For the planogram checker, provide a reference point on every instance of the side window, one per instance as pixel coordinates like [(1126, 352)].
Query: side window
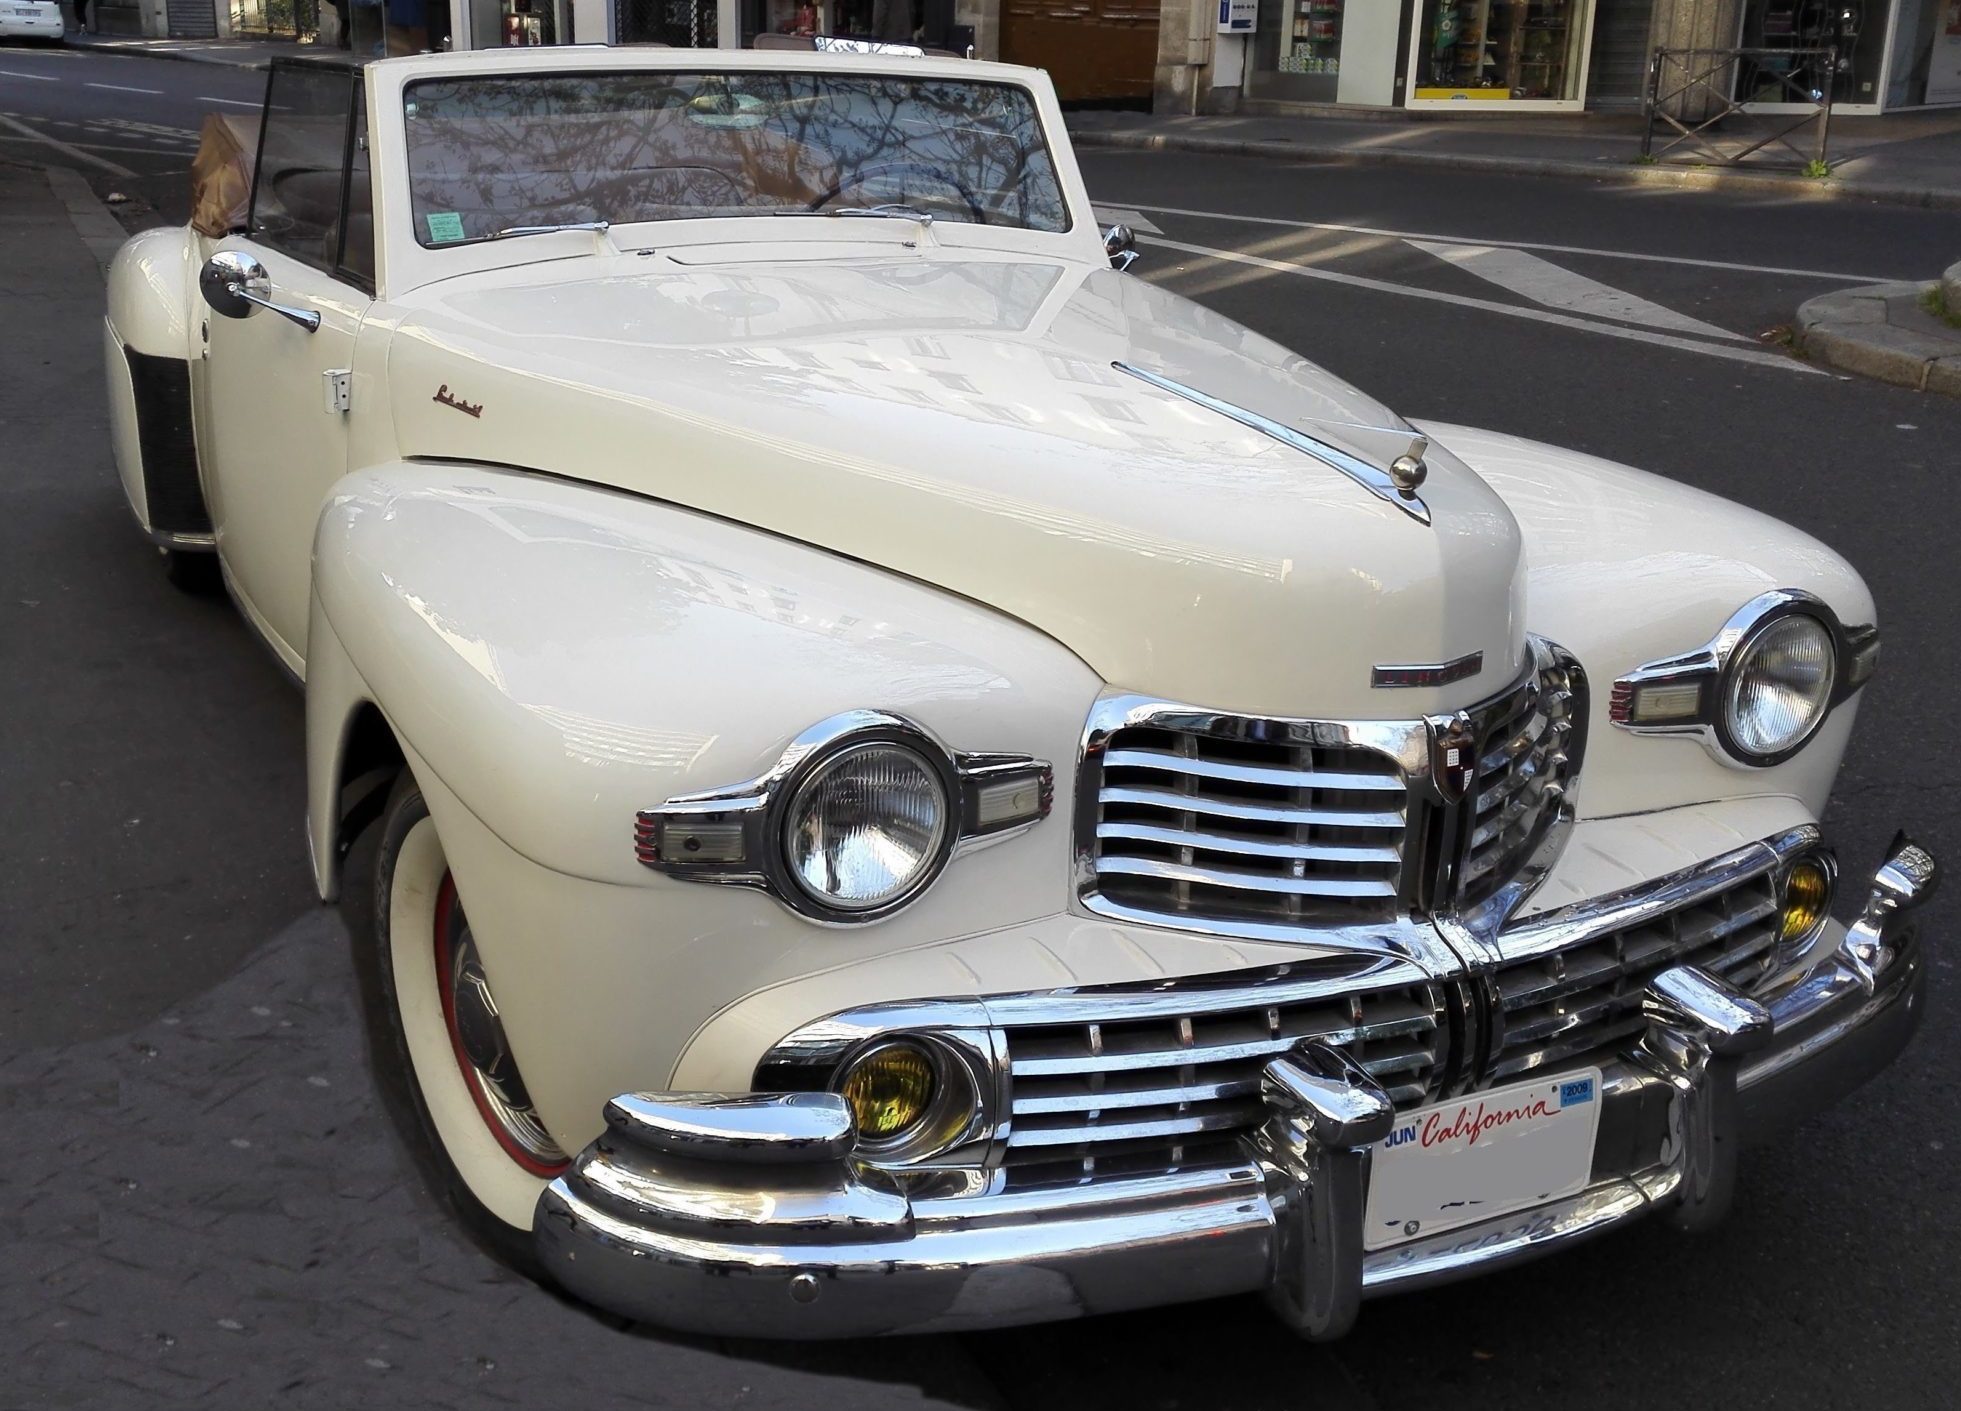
[(357, 243), (296, 191)]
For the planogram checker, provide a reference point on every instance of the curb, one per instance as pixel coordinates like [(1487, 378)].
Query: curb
[(1951, 288), (1679, 178), (182, 56), (1881, 331)]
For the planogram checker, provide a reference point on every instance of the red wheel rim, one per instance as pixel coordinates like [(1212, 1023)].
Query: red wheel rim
[(449, 919)]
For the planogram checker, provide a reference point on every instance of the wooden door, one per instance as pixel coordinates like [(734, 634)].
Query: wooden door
[(1094, 50)]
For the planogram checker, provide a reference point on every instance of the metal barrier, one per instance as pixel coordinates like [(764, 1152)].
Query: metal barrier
[(1702, 99)]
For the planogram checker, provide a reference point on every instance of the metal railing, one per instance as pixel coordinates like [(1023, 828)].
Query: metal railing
[(1693, 92)]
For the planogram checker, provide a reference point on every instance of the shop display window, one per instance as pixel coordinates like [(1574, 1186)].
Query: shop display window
[(1856, 29), (1501, 50), (1313, 42)]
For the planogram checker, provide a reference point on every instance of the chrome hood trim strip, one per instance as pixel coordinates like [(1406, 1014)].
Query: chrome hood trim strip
[(1377, 481)]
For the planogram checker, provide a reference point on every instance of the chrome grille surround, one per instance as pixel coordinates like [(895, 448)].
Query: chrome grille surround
[(1281, 828)]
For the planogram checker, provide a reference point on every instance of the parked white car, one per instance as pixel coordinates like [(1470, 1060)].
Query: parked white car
[(32, 19), (900, 777)]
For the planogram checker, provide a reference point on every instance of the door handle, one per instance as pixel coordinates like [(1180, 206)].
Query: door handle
[(234, 284)]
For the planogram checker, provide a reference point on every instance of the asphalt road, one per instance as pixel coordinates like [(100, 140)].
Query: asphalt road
[(156, 873)]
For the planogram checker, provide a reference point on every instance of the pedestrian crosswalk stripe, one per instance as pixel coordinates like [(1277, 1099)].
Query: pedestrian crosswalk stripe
[(1544, 282)]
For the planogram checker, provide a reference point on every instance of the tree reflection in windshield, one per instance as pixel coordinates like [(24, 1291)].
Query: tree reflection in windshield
[(489, 153)]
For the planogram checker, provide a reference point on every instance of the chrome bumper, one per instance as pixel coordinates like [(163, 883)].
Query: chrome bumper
[(746, 1215)]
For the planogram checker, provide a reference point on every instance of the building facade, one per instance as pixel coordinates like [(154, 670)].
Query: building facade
[(1213, 56)]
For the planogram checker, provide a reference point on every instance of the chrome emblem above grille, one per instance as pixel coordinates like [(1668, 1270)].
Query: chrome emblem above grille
[(1435, 673), (1453, 755)]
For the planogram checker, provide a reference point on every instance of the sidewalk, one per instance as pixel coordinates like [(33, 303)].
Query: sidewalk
[(1904, 158), (233, 53)]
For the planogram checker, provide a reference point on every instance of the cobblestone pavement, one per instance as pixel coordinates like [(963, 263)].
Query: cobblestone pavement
[(214, 1208)]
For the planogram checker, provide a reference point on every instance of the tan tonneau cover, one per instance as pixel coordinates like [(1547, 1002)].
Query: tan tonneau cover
[(221, 173)]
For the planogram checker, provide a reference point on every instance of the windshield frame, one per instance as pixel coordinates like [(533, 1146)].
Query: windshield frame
[(708, 74), (407, 264)]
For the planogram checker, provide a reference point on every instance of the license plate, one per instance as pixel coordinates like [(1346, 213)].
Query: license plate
[(1476, 1158)]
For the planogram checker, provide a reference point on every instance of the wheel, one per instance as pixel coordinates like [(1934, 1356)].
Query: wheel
[(192, 572), (434, 1029)]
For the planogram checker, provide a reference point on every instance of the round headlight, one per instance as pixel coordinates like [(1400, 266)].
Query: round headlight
[(1779, 686), (889, 1090), (868, 828)]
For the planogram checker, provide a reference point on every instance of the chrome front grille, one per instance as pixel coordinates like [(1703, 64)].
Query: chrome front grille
[(1527, 756), (1245, 821), (1099, 1098), (1586, 999)]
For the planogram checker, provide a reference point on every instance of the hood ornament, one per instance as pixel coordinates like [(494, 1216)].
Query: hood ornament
[(1396, 485)]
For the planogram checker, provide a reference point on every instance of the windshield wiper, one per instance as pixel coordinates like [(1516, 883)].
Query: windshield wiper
[(891, 210), (511, 232)]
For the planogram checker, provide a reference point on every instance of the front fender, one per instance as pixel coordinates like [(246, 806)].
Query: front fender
[(1624, 567)]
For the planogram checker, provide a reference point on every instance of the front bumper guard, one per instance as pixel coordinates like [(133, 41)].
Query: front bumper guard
[(746, 1214)]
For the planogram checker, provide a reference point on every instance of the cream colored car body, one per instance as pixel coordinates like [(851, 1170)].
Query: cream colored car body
[(730, 477)]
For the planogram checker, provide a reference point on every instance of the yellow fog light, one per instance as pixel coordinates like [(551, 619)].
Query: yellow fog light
[(889, 1090), (1807, 899)]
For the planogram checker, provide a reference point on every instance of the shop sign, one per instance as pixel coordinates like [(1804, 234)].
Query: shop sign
[(1238, 16)]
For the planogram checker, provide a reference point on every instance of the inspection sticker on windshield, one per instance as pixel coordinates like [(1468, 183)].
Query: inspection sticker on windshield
[(444, 225), (1475, 1158)]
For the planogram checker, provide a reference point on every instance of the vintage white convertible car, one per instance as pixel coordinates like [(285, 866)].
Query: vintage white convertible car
[(909, 779)]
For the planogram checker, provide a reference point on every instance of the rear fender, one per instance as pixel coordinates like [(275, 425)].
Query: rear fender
[(148, 348)]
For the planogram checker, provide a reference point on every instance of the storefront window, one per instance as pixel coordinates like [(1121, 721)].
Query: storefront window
[(1501, 50), (1856, 29), (1926, 54), (1325, 51)]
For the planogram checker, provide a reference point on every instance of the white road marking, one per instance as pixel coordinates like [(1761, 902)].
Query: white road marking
[(40, 77), (104, 146), (1544, 282), (235, 102), (1123, 215), (1528, 245), (125, 88), (66, 148), (1383, 286)]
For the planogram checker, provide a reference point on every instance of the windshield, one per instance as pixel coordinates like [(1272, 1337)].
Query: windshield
[(489, 154)]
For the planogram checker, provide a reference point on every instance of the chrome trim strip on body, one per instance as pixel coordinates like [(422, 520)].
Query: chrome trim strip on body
[(1377, 480), (1856, 649)]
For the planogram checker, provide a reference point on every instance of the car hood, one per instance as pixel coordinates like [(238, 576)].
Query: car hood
[(959, 420)]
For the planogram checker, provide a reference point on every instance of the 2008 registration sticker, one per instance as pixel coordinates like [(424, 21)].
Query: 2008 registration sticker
[(1459, 1162)]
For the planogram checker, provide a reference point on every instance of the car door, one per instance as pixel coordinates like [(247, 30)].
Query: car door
[(287, 299)]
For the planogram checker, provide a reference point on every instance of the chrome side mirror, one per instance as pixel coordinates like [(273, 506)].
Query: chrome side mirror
[(235, 285), (226, 279), (1120, 244)]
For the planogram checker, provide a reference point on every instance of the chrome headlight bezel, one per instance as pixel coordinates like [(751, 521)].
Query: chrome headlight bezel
[(936, 765), (740, 835), (1691, 694)]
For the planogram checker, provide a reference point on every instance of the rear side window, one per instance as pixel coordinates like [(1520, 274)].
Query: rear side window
[(298, 188)]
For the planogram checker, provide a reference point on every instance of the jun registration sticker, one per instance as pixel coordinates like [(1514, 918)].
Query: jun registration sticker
[(1476, 1158)]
